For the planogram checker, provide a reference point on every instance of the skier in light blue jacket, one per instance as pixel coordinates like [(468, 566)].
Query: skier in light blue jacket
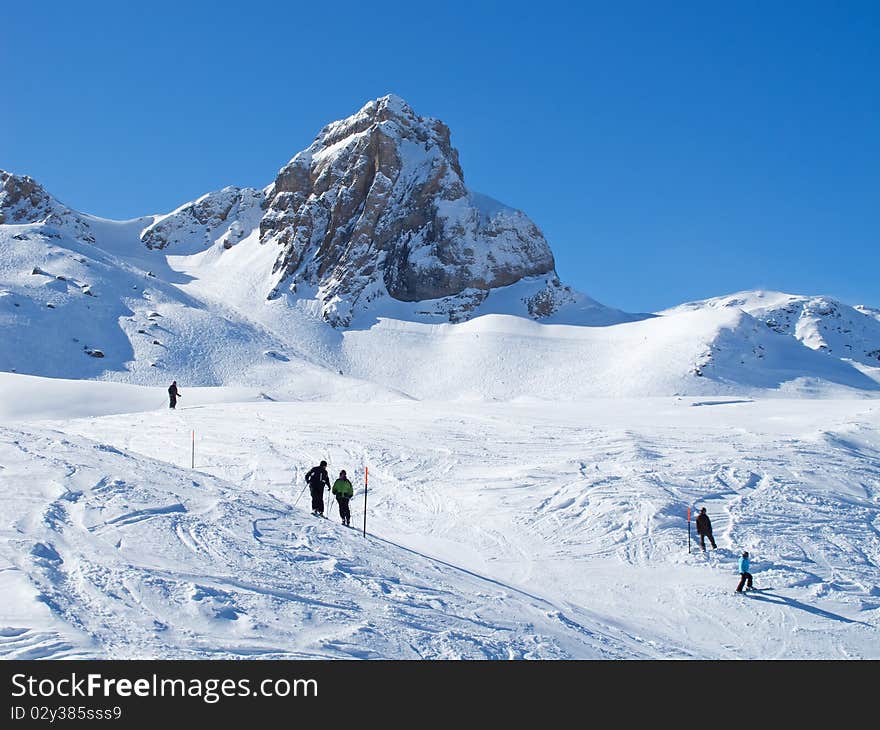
[(745, 576)]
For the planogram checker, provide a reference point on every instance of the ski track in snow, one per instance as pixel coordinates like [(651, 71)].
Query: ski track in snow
[(135, 558), (495, 531)]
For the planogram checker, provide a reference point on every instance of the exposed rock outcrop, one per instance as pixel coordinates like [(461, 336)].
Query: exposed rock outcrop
[(377, 205), (227, 215), (24, 200)]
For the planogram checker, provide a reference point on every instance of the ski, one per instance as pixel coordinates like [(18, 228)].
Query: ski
[(750, 590)]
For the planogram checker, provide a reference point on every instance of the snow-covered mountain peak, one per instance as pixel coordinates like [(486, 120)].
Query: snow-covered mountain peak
[(379, 127), (376, 212), (392, 116), (869, 311), (392, 102)]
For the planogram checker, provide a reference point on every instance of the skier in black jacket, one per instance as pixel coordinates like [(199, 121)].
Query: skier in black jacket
[(318, 479), (704, 529), (173, 394)]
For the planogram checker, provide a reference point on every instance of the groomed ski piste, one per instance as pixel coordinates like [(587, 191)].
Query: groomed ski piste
[(523, 529)]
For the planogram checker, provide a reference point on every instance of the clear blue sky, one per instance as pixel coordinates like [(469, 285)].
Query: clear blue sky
[(669, 151)]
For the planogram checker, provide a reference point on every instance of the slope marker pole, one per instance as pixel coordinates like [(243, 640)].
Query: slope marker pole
[(193, 449), (689, 530), (366, 489)]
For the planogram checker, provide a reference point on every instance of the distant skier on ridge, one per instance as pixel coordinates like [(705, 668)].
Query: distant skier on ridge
[(317, 479), (704, 530), (173, 394), (344, 491)]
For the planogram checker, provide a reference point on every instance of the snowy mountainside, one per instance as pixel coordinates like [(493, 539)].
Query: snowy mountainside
[(869, 311), (24, 200), (498, 356), (819, 323), (70, 309), (369, 267), (223, 217), (501, 357)]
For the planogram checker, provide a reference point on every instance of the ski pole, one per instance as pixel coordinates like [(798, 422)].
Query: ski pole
[(300, 495)]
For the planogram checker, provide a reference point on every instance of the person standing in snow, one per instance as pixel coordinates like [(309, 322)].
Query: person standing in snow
[(344, 491), (704, 530), (745, 576), (317, 479), (173, 394)]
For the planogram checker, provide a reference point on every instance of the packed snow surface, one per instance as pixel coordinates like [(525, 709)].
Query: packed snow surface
[(522, 529)]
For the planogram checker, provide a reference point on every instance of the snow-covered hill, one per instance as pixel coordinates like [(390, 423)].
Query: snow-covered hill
[(497, 357), (24, 200), (220, 218), (820, 323), (73, 310), (70, 309), (116, 310)]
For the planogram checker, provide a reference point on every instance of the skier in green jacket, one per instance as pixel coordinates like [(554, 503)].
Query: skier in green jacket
[(344, 491)]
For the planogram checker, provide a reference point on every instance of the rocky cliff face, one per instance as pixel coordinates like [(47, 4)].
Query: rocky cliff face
[(377, 206), (24, 200)]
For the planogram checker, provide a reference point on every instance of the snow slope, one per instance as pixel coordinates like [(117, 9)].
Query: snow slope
[(498, 357), (107, 554), (820, 323), (75, 310), (496, 530)]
